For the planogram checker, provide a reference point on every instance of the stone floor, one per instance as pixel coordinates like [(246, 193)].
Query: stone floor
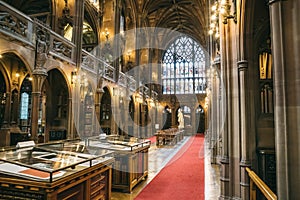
[(159, 157)]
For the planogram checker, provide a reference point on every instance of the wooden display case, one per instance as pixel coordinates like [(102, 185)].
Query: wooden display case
[(43, 172), (131, 159)]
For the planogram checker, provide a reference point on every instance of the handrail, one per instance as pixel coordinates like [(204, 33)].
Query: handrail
[(268, 193)]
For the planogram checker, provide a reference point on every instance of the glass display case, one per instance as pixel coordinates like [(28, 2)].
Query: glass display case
[(117, 143), (131, 158), (55, 171)]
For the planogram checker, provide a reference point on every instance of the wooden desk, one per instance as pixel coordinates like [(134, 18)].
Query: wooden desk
[(169, 137)]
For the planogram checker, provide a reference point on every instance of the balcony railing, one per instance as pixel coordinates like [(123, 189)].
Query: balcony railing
[(131, 83), (254, 179), (122, 79), (15, 24), (21, 28)]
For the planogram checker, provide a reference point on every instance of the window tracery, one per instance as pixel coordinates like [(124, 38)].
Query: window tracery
[(183, 67)]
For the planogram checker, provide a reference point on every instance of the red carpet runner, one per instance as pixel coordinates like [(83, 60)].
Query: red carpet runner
[(182, 178)]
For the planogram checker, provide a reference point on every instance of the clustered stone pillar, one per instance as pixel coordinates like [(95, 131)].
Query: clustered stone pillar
[(214, 115), (39, 75), (285, 28)]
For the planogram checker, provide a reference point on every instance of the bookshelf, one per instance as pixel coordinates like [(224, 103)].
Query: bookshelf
[(266, 82)]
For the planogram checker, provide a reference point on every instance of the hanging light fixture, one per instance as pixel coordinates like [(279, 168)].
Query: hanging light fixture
[(214, 20), (73, 76)]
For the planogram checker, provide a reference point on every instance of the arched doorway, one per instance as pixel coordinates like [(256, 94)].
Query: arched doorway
[(200, 119), (144, 119), (2, 98), (130, 120), (14, 80), (105, 112), (56, 106), (167, 118)]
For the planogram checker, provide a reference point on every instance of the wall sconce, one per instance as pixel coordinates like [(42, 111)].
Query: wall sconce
[(121, 94), (151, 103), (73, 76), (199, 109), (115, 91), (138, 99), (3, 99), (100, 90), (225, 8), (106, 34), (17, 74), (129, 52)]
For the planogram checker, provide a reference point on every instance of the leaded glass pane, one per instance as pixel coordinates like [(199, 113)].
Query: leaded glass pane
[(183, 67), (24, 105)]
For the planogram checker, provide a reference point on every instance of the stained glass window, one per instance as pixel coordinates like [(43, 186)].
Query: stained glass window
[(183, 67)]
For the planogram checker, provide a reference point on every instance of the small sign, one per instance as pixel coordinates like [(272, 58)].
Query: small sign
[(25, 144)]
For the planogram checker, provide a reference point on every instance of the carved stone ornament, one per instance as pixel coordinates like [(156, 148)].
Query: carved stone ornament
[(66, 18), (42, 47)]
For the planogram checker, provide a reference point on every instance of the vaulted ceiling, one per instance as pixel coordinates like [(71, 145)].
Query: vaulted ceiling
[(187, 16)]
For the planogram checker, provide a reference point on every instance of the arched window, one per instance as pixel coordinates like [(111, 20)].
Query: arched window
[(25, 105), (183, 69), (89, 37)]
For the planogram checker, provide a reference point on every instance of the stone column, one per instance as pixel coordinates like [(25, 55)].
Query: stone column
[(244, 98), (224, 176), (126, 118), (136, 120), (214, 116), (98, 97), (285, 29), (39, 75), (77, 31)]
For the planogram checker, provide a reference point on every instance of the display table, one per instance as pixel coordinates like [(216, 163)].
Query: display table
[(131, 159), (43, 172)]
